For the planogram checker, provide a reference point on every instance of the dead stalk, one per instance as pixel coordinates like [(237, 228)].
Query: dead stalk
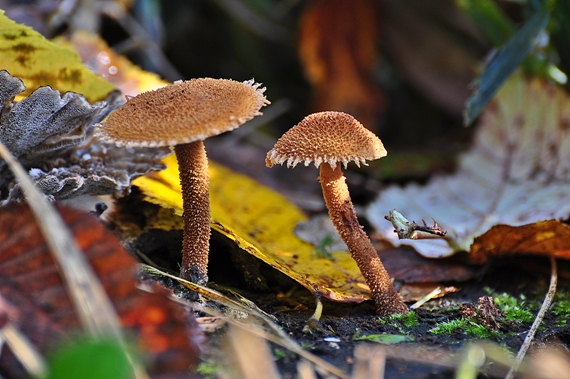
[(537, 321)]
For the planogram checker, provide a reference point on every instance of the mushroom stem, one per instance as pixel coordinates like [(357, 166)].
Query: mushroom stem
[(195, 183), (343, 216)]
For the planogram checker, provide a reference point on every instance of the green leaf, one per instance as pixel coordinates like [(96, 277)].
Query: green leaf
[(489, 18), (505, 62), (90, 359), (386, 339)]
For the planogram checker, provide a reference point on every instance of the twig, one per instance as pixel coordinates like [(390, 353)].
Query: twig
[(537, 321), (24, 350), (274, 334)]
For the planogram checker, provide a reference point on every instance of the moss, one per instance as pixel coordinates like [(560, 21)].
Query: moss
[(467, 326), (279, 354), (401, 321), (208, 370), (408, 320), (448, 327), (561, 308), (513, 309)]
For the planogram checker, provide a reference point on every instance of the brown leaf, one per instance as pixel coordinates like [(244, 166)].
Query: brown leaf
[(550, 238), (417, 291), (30, 281), (516, 173), (405, 265), (337, 47)]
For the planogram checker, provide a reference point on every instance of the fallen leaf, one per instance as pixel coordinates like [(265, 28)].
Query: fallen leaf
[(419, 291), (30, 281), (262, 222), (385, 339), (516, 173), (405, 265), (550, 238), (38, 62), (115, 68), (320, 232)]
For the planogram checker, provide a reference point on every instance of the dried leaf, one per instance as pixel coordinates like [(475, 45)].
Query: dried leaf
[(550, 238), (320, 232), (405, 265), (262, 222), (385, 339), (39, 62), (30, 281), (419, 291), (516, 173)]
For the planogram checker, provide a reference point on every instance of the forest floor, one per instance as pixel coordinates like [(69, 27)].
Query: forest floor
[(427, 349)]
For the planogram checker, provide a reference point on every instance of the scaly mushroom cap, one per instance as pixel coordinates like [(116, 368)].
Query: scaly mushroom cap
[(183, 112), (328, 137)]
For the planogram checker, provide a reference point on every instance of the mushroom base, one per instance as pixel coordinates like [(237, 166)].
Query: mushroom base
[(343, 216)]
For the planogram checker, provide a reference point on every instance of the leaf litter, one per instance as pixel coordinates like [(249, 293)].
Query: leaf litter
[(517, 173), (397, 355), (262, 222)]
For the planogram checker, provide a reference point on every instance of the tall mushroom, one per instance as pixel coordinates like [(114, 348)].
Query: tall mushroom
[(183, 115), (328, 139)]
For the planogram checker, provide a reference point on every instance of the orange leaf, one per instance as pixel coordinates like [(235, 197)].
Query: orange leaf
[(31, 282), (550, 238)]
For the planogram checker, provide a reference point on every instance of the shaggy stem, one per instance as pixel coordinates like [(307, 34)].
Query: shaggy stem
[(343, 216), (195, 182)]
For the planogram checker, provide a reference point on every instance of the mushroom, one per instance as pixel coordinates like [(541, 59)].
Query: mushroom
[(183, 115), (328, 139)]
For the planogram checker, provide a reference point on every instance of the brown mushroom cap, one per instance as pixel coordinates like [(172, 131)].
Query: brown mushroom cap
[(183, 112), (328, 137)]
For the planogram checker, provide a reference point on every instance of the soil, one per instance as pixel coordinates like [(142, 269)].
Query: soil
[(427, 355)]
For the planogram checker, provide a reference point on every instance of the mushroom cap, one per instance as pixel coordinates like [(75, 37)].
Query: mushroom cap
[(183, 112), (326, 137)]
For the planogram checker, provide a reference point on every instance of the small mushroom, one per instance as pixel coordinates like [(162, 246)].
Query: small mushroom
[(328, 139), (183, 115)]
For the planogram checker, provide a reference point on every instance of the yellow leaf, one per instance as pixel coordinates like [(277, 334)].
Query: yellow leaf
[(26, 54), (261, 222), (130, 79)]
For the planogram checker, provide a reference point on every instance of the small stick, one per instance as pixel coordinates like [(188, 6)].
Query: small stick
[(545, 305)]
